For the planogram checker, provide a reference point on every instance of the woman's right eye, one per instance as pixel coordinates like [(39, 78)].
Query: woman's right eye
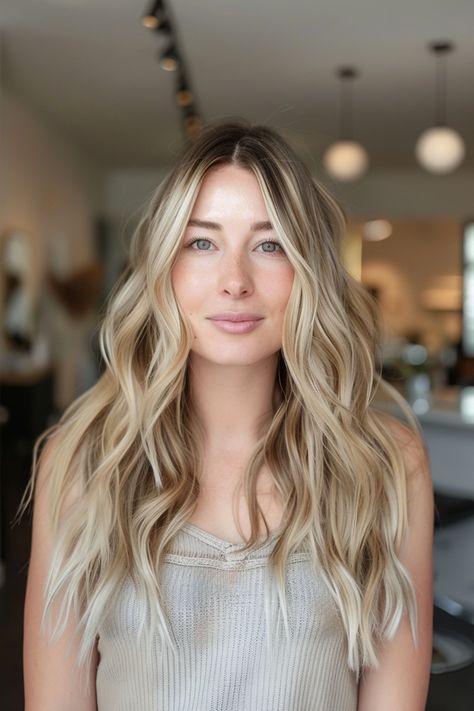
[(199, 239)]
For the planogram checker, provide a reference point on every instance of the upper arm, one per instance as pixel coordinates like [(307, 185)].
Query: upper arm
[(401, 682), (51, 678)]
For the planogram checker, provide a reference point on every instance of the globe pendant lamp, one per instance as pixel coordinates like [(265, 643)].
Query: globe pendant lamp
[(440, 149), (346, 159)]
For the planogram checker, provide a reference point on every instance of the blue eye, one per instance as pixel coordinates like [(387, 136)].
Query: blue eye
[(204, 239), (277, 244), (200, 239)]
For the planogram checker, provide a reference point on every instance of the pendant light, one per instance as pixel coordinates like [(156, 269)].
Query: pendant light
[(376, 230), (169, 58), (154, 16), (346, 159), (184, 95), (440, 149), (193, 123)]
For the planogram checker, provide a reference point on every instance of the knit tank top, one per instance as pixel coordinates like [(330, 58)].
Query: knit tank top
[(214, 594)]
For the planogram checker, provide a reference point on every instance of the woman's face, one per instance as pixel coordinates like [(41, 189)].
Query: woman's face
[(229, 263)]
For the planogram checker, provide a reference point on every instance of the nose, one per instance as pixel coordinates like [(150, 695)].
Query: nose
[(235, 277)]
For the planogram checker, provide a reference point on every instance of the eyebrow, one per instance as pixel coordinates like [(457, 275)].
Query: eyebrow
[(216, 226)]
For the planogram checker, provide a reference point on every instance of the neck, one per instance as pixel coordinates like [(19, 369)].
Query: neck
[(233, 403)]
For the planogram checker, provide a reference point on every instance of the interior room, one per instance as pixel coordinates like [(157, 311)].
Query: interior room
[(97, 99)]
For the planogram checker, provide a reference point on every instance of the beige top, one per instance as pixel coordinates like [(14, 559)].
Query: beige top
[(215, 604)]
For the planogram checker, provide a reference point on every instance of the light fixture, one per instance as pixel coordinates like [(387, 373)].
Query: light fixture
[(184, 95), (376, 230), (192, 121), (164, 27), (155, 15), (169, 58), (346, 159), (440, 149), (158, 19)]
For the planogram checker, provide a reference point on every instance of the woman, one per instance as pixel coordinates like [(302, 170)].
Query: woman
[(225, 476)]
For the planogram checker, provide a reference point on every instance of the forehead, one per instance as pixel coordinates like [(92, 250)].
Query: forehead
[(230, 190)]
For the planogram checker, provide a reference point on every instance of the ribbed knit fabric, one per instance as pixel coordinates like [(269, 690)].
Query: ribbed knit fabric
[(215, 604)]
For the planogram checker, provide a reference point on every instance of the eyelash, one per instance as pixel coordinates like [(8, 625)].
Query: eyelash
[(267, 241)]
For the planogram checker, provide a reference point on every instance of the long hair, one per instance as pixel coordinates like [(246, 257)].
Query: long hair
[(129, 446)]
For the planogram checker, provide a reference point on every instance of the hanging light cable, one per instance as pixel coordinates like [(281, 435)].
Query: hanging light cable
[(440, 149), (346, 159)]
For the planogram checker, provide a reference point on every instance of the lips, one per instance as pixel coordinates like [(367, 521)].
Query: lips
[(235, 316), (236, 327)]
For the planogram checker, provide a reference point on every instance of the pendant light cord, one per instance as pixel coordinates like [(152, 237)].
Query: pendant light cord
[(440, 91), (346, 117), (440, 50)]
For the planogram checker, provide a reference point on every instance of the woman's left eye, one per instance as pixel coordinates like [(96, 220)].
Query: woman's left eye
[(277, 244), (203, 239)]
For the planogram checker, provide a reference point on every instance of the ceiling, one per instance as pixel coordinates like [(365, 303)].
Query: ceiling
[(90, 68)]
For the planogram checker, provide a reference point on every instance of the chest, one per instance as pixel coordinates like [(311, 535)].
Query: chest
[(216, 512)]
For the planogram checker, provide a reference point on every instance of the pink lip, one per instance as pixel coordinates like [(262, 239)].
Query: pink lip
[(235, 316), (236, 326)]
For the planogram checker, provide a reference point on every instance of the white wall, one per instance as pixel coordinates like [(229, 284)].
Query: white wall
[(126, 196), (49, 185), (51, 191)]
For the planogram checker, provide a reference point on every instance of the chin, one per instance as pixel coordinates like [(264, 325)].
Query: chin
[(235, 356)]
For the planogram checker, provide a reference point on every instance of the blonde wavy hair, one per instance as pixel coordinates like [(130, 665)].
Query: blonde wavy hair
[(125, 475)]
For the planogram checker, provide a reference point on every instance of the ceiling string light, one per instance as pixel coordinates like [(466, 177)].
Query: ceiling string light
[(158, 19), (155, 15), (169, 58), (184, 95), (346, 159), (440, 149), (163, 26)]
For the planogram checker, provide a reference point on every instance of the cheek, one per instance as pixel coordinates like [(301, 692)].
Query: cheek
[(283, 285), (186, 285)]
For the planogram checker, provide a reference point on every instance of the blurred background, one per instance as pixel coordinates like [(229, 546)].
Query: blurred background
[(97, 98)]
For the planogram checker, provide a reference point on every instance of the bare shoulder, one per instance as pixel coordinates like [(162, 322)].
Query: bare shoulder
[(404, 435), (413, 450), (41, 480), (50, 451), (52, 446)]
